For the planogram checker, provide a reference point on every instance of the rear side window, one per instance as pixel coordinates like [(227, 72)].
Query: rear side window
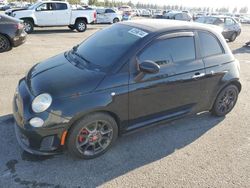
[(109, 11), (170, 50), (209, 45), (61, 6)]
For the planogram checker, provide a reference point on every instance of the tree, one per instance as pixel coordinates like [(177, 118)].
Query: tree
[(244, 10), (93, 2), (235, 10), (74, 2)]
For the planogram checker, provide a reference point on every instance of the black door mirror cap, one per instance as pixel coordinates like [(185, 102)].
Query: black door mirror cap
[(149, 67)]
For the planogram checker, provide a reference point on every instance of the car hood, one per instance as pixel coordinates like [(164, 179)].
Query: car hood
[(15, 9), (60, 78)]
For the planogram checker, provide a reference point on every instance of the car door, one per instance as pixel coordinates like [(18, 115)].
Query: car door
[(214, 58), (100, 18), (178, 16), (109, 15), (175, 90), (44, 15), (62, 14)]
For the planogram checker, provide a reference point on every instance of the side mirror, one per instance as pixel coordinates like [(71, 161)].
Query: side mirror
[(149, 67)]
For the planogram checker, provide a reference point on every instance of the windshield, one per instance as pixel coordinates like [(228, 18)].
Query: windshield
[(108, 45), (33, 6)]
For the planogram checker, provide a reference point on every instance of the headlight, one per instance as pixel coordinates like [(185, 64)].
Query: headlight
[(41, 103)]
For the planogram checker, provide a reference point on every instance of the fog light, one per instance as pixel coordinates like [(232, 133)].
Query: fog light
[(36, 122)]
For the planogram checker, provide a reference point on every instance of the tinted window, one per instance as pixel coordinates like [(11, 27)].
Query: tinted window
[(209, 45), (61, 6), (170, 50), (100, 11), (108, 45), (109, 11)]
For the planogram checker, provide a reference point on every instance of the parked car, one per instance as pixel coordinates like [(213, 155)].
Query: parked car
[(245, 20), (12, 33), (124, 77), (53, 13), (5, 7), (176, 15), (248, 43), (2, 5), (108, 15), (126, 16), (158, 14), (231, 29), (146, 13)]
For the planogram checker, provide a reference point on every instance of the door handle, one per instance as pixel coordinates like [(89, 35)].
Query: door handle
[(198, 75)]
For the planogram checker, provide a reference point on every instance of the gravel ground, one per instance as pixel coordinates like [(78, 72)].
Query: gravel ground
[(199, 151)]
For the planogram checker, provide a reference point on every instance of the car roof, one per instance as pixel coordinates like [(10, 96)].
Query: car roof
[(164, 25)]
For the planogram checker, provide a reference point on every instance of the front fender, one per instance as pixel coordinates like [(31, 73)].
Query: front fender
[(75, 107)]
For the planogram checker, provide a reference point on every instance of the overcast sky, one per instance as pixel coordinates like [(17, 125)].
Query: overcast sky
[(198, 3)]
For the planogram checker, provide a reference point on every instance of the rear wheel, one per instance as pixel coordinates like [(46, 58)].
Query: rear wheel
[(81, 26), (92, 136), (225, 101), (28, 26), (233, 37), (4, 44)]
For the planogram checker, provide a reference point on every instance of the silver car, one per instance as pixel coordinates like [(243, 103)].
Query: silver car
[(231, 28)]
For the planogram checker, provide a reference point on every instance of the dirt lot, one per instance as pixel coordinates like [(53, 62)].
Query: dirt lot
[(199, 151)]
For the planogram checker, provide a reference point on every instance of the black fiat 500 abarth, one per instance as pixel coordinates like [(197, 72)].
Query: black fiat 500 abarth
[(127, 76)]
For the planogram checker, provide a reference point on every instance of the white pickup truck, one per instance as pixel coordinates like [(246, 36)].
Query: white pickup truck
[(53, 13)]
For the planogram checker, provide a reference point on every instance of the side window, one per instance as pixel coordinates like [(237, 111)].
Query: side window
[(170, 51), (45, 7), (61, 6), (209, 45), (109, 11), (229, 21)]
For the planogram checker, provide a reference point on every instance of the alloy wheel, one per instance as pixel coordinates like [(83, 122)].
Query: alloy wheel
[(227, 101), (3, 43), (94, 138), (81, 26)]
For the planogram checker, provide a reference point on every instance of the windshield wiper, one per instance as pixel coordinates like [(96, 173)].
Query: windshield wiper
[(74, 52)]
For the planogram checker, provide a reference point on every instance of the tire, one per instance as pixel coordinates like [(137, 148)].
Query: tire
[(233, 37), (225, 101), (28, 26), (80, 26), (71, 27), (116, 20), (92, 136), (5, 44)]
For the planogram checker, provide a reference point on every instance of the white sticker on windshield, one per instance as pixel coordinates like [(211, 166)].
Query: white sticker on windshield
[(138, 32)]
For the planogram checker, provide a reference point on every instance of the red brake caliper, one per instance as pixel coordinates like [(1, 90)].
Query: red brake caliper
[(81, 137)]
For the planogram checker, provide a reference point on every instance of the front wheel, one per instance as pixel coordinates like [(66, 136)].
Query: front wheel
[(92, 136), (116, 20), (225, 101), (28, 26), (81, 26), (233, 37)]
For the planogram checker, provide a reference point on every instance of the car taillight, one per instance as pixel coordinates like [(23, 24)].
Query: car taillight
[(19, 26), (95, 15)]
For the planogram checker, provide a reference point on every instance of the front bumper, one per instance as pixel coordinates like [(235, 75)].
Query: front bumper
[(41, 141)]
